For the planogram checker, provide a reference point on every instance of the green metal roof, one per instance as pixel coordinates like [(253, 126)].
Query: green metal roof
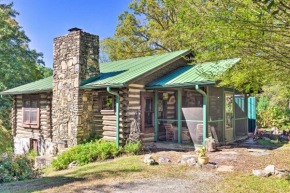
[(42, 85), (120, 72), (203, 73), (113, 74)]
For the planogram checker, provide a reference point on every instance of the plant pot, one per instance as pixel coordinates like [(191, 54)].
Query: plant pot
[(203, 160)]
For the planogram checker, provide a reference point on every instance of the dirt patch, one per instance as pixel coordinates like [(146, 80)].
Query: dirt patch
[(202, 181)]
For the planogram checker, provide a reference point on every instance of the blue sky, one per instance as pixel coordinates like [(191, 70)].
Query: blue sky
[(43, 20)]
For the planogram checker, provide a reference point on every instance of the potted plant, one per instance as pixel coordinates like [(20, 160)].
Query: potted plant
[(202, 158)]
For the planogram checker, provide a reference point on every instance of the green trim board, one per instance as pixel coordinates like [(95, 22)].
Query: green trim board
[(181, 85), (156, 115), (214, 121), (241, 118), (200, 121), (179, 98)]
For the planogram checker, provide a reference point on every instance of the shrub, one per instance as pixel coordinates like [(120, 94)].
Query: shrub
[(16, 167), (132, 148), (273, 116), (31, 155), (86, 153), (6, 141)]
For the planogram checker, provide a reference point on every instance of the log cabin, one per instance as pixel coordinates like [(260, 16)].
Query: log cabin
[(176, 104)]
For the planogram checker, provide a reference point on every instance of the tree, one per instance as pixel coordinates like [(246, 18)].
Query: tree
[(256, 31), (18, 64)]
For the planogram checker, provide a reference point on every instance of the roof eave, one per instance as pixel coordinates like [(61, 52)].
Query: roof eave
[(181, 85), (26, 92), (102, 86)]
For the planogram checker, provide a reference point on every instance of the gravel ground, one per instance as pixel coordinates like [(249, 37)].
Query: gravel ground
[(193, 182)]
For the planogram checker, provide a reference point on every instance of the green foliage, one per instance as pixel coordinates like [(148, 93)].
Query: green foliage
[(19, 64), (31, 154), (274, 117), (263, 104), (201, 152), (256, 31), (5, 140), (132, 148), (273, 107), (86, 153), (15, 168)]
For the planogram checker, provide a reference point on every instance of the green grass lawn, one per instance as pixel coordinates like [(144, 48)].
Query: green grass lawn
[(247, 184), (268, 143)]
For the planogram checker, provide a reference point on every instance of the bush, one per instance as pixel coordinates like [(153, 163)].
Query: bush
[(132, 148), (86, 153), (6, 141), (16, 167), (273, 117)]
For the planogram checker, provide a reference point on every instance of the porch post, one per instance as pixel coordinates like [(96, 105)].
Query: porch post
[(156, 115), (179, 114), (234, 109)]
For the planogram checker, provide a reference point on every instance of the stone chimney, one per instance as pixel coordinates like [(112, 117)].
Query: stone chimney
[(75, 59)]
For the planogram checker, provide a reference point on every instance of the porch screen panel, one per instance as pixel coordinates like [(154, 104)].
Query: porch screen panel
[(167, 116), (241, 116), (192, 117), (215, 113)]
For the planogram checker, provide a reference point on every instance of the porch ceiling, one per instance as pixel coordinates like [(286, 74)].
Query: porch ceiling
[(198, 74)]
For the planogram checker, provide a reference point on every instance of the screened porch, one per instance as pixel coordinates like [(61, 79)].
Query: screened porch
[(189, 115)]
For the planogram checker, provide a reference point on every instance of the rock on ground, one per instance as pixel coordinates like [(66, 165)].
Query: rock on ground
[(280, 173), (270, 168), (164, 159), (190, 162), (149, 160), (261, 173)]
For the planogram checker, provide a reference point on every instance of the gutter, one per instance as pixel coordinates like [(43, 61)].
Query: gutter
[(117, 113), (204, 112)]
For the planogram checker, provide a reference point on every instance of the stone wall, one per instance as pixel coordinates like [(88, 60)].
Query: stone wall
[(75, 59)]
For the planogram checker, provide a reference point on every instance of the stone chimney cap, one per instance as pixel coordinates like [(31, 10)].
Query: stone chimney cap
[(75, 29)]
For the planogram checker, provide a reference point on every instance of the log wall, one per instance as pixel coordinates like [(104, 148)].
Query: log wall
[(43, 134)]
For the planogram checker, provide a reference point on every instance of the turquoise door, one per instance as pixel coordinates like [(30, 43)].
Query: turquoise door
[(252, 113)]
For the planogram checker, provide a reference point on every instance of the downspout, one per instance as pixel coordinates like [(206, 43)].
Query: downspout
[(117, 113), (204, 112)]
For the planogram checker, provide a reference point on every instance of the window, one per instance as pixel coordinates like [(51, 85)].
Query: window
[(107, 103), (34, 145), (30, 112)]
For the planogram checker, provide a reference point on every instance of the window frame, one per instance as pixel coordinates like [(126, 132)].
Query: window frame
[(30, 124), (106, 111)]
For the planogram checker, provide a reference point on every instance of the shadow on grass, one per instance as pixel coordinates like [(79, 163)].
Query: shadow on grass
[(84, 173), (37, 184)]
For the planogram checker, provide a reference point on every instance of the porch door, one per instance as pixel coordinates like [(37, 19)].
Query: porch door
[(229, 117), (147, 112)]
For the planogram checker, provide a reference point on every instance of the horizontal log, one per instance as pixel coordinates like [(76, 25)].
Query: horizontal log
[(136, 86), (149, 139), (134, 95), (107, 138), (107, 112)]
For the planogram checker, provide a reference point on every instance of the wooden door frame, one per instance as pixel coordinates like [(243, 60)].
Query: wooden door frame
[(145, 95)]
